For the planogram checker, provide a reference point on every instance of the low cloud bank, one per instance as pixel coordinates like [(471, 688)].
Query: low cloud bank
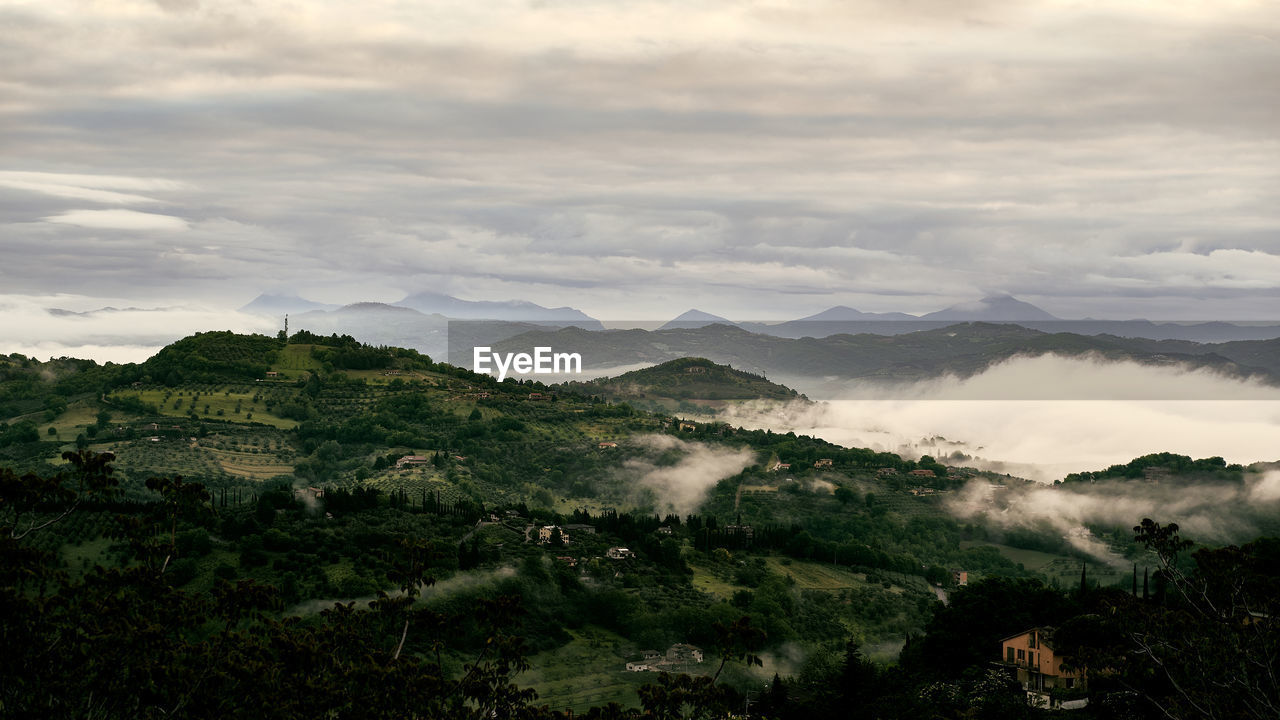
[(104, 329), (678, 474), (1211, 511), (1046, 439)]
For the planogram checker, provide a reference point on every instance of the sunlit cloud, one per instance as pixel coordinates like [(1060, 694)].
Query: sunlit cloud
[(119, 220)]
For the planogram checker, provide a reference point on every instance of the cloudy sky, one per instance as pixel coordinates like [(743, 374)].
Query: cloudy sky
[(634, 158)]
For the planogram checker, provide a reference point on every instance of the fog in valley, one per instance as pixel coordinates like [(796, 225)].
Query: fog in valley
[(978, 422)]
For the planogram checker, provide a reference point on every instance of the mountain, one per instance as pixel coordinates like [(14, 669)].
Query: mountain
[(842, 319), (694, 318), (511, 310), (844, 313), (960, 350), (268, 304), (997, 308), (380, 324)]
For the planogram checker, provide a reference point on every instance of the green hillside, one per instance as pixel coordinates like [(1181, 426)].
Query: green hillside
[(318, 470), (686, 384)]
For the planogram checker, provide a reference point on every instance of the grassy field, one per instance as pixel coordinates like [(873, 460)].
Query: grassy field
[(706, 581), (807, 575), (249, 465), (815, 576), (223, 404), (294, 360), (1065, 570), (588, 671)]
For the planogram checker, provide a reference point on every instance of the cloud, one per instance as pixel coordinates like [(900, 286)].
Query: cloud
[(1154, 410), (638, 158), (1209, 511), (678, 474), (86, 329), (119, 220)]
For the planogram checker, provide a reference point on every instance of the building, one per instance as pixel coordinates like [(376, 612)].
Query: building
[(683, 653), (886, 472), (547, 532), (412, 460), (1030, 659), (922, 473), (779, 465), (960, 577), (580, 528), (822, 463), (608, 445), (688, 427), (619, 553)]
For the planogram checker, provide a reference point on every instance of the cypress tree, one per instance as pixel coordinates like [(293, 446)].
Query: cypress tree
[(1135, 579), (1146, 595)]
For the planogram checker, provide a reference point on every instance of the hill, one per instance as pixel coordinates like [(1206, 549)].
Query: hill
[(686, 384), (346, 471)]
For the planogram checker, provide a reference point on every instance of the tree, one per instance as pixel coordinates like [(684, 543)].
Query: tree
[(1210, 648), (125, 642)]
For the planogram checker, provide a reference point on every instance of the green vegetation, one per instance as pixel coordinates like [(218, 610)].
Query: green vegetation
[(236, 509), (686, 385)]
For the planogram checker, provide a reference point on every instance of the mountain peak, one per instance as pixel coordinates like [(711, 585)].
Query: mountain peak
[(993, 308), (694, 318), (430, 301), (279, 303)]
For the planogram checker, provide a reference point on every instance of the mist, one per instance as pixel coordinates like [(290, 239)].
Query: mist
[(441, 588), (968, 422), (1212, 511), (678, 474), (107, 330)]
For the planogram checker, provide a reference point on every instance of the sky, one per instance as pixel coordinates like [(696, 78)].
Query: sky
[(635, 158)]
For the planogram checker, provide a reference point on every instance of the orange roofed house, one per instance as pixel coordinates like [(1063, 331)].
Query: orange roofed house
[(1030, 657)]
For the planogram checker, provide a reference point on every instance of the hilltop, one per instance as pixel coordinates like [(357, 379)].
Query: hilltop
[(686, 384)]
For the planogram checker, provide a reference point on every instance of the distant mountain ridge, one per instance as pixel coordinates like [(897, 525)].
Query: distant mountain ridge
[(961, 350), (996, 308), (510, 310)]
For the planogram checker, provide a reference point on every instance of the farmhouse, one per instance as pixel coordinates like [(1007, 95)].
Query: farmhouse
[(619, 553), (608, 445), (412, 460), (822, 463), (922, 473)]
